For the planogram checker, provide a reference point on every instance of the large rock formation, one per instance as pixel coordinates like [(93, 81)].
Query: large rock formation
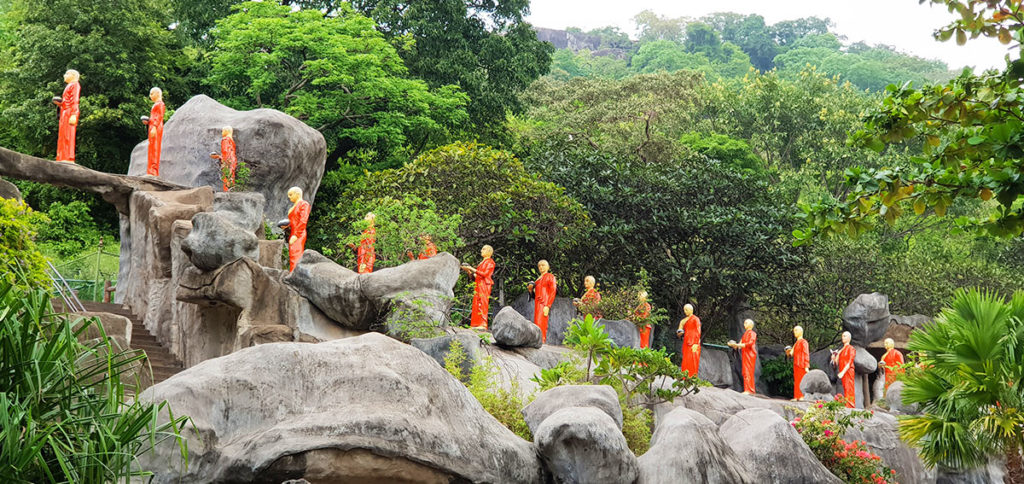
[(583, 445), (772, 449), (384, 300), (894, 397), (8, 190), (601, 397), (511, 330), (686, 447), (281, 151), (867, 318), (561, 314), (716, 368), (881, 435), (348, 410)]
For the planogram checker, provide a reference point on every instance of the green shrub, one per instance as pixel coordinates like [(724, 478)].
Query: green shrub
[(409, 320), (399, 224), (504, 405), (822, 426), (636, 427), (20, 259), (777, 373), (65, 413)]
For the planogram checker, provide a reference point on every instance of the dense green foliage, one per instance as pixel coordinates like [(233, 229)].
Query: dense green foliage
[(400, 229), (20, 260), (505, 405), (822, 427), (65, 411), (972, 395)]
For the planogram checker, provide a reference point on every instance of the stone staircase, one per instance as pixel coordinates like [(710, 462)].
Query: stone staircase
[(164, 364)]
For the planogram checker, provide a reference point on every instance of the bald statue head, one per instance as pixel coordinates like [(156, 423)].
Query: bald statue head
[(294, 194), (589, 282), (543, 266), (642, 296), (370, 217), (748, 324), (71, 75), (889, 343), (156, 94), (227, 132), (798, 332), (688, 309), (847, 337), (486, 251)]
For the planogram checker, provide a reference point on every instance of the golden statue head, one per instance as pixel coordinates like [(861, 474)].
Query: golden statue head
[(688, 309), (543, 266), (156, 94), (227, 132), (798, 332), (589, 282), (71, 75), (847, 337), (486, 251), (294, 194), (889, 343), (748, 324), (642, 296)]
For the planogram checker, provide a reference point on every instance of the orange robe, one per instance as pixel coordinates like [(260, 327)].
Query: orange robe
[(297, 218), (229, 162), (801, 361), (482, 293), (155, 128), (590, 299), (748, 356), (893, 362), (641, 313), (691, 336), (365, 253), (846, 356), (431, 251), (544, 296), (66, 130)]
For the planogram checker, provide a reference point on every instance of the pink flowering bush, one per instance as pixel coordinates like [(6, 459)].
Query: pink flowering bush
[(822, 426)]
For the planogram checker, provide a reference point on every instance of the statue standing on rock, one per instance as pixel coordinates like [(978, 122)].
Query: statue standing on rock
[(68, 103), (590, 297), (482, 288), (689, 330), (227, 157), (748, 356), (298, 215), (155, 124), (801, 354), (640, 314), (429, 249), (543, 289), (892, 361), (365, 254), (844, 363)]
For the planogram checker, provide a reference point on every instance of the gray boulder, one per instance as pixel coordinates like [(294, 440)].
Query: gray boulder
[(686, 447), (881, 434), (623, 333), (215, 242), (773, 449), (601, 397), (561, 314), (243, 209), (864, 363), (363, 409), (547, 356), (511, 330), (8, 190), (815, 381), (281, 151), (867, 318), (583, 445), (716, 367), (894, 397), (439, 347), (515, 372), (415, 292)]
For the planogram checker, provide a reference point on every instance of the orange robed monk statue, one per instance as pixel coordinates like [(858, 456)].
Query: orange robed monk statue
[(155, 127), (801, 355), (482, 291), (590, 297), (365, 254), (689, 330), (544, 289), (298, 215), (748, 355), (429, 249), (844, 363), (892, 361), (68, 117), (640, 314), (227, 157)]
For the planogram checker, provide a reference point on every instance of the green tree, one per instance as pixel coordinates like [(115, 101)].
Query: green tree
[(725, 149), (788, 32), (565, 64), (20, 260), (336, 74), (750, 33), (968, 131), (122, 48), (702, 39), (400, 226), (486, 48), (971, 396), (499, 202), (654, 27)]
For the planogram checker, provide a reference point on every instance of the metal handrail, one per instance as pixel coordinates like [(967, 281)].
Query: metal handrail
[(71, 301)]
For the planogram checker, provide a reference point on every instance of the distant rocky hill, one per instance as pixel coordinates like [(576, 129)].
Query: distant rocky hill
[(577, 41)]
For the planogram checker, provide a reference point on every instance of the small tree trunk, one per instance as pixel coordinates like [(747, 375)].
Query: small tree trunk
[(1014, 466)]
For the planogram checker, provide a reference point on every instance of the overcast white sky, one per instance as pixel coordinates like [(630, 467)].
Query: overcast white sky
[(901, 23)]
